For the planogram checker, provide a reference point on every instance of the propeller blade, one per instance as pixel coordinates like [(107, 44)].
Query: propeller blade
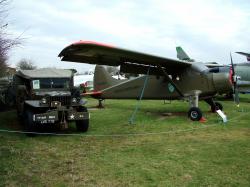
[(232, 64), (236, 97), (234, 81)]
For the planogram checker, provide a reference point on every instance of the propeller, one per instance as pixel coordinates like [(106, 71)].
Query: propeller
[(234, 79)]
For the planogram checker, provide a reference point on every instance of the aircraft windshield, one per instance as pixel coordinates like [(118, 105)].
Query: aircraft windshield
[(47, 83)]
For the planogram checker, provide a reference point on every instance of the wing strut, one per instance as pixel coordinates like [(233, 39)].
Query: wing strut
[(171, 81), (132, 118)]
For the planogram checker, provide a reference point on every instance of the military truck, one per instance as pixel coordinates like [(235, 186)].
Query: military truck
[(47, 97)]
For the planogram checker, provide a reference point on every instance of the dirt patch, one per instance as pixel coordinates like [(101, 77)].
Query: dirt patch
[(164, 115)]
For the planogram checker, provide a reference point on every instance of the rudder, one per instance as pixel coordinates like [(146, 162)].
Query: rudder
[(102, 79), (182, 55)]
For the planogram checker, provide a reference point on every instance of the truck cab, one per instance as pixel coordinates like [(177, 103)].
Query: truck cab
[(47, 96)]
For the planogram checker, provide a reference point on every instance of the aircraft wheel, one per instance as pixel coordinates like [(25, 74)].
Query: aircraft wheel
[(195, 114), (217, 106), (82, 125)]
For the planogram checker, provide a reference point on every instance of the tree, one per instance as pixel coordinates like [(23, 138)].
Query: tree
[(3, 59), (6, 44), (25, 64)]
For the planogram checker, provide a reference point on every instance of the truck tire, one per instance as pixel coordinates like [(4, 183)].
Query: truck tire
[(10, 98), (21, 96), (29, 125), (82, 125)]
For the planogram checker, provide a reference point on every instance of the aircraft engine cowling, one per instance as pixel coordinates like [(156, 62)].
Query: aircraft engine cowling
[(222, 82)]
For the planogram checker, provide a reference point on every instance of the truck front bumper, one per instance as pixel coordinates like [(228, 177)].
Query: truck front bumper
[(55, 116)]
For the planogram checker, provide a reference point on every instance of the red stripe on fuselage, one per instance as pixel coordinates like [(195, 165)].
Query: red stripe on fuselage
[(92, 42)]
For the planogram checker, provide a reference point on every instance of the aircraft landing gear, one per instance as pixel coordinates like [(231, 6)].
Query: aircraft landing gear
[(217, 106), (214, 105), (100, 105), (194, 112)]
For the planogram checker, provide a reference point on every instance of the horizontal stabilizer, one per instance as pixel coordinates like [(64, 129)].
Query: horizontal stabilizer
[(95, 94)]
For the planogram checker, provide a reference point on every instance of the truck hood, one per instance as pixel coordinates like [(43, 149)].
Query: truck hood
[(53, 93)]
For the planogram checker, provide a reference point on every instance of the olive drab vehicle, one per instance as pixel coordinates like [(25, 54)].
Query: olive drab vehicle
[(47, 96)]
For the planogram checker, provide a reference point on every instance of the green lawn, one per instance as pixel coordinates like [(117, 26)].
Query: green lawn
[(158, 150)]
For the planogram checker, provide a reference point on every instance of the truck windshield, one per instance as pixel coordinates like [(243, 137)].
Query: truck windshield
[(45, 83)]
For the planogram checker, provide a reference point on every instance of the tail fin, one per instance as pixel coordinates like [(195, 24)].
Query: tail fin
[(245, 54), (182, 55), (102, 79)]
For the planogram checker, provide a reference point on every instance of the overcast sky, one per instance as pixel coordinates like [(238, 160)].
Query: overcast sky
[(208, 30)]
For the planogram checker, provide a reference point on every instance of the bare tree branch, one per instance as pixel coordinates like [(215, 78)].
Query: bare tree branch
[(25, 64), (6, 43)]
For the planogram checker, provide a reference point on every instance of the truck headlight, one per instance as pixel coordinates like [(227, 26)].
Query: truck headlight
[(74, 100), (43, 101)]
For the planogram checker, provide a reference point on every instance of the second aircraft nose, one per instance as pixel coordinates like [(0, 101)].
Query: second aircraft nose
[(222, 82)]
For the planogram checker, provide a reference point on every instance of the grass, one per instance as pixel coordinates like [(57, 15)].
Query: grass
[(212, 154)]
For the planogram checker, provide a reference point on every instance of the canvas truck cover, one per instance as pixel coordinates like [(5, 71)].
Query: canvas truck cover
[(45, 73)]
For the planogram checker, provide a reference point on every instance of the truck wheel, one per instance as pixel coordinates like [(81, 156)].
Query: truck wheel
[(10, 101), (10, 98), (217, 106), (82, 125), (195, 114), (28, 123)]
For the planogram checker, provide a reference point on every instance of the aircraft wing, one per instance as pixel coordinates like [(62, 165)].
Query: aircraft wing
[(130, 61), (242, 53), (245, 54)]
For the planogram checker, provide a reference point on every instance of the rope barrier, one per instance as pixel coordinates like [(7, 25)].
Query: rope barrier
[(120, 135)]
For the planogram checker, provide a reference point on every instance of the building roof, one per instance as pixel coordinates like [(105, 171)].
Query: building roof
[(45, 73)]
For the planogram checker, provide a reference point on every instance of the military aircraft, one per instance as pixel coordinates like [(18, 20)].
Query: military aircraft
[(163, 78), (242, 70)]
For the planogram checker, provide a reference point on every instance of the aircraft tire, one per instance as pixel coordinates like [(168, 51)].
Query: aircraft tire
[(195, 114), (82, 125), (217, 106)]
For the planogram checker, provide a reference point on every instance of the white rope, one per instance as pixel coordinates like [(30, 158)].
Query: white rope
[(119, 135)]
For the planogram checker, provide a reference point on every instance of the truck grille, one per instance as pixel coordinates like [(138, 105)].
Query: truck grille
[(65, 100)]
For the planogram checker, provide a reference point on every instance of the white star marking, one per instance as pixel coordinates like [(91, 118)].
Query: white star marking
[(72, 116)]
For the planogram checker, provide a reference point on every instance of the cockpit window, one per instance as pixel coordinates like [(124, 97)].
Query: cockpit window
[(47, 83)]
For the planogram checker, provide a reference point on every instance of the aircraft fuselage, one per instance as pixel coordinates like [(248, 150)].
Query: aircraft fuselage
[(158, 87)]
